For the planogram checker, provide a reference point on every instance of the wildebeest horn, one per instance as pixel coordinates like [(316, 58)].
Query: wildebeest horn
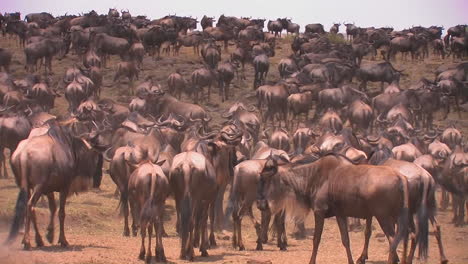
[(312, 133), (249, 138), (432, 136), (227, 115), (265, 134), (252, 108), (105, 155), (162, 122), (285, 131), (207, 118), (373, 140)]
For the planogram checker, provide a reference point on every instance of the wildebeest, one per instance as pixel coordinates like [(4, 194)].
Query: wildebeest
[(193, 183), (207, 22), (47, 49), (5, 59), (381, 72), (261, 66), (314, 28), (326, 187), (335, 28), (57, 168), (177, 84), (226, 72), (148, 188)]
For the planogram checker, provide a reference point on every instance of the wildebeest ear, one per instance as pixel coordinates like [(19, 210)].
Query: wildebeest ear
[(213, 148), (160, 163)]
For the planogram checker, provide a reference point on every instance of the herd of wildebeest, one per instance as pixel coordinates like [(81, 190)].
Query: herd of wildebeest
[(363, 153)]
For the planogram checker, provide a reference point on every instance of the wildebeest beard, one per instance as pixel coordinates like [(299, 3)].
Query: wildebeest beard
[(292, 189)]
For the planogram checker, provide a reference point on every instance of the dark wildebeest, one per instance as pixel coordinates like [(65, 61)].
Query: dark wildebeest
[(275, 27), (314, 28), (106, 45), (226, 72), (351, 31), (207, 22), (286, 67), (5, 59), (406, 44), (128, 69), (243, 195), (381, 72), (261, 66), (177, 84), (193, 182), (333, 186), (203, 77), (422, 206), (48, 163), (299, 103), (275, 98), (148, 189), (46, 48), (335, 28)]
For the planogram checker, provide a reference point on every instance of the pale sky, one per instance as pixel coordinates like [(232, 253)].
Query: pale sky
[(397, 13)]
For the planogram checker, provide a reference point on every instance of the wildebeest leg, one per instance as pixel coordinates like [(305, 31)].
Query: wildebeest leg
[(53, 210), (238, 228), (414, 237), (367, 234), (63, 199), (26, 241), (150, 234), (319, 221), (124, 204), (266, 216), (444, 203), (212, 226), (343, 226), (203, 230), (3, 163), (143, 224), (438, 235), (389, 231), (218, 205), (197, 225), (280, 228), (159, 251), (135, 217), (38, 238)]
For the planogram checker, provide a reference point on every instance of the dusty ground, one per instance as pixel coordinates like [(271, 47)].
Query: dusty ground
[(94, 229)]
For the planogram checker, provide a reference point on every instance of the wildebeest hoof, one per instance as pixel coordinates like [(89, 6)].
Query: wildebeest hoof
[(27, 245), (63, 243), (126, 233), (259, 246), (213, 242), (142, 255), (241, 248), (160, 256), (361, 260), (204, 253), (39, 242), (148, 259), (50, 236)]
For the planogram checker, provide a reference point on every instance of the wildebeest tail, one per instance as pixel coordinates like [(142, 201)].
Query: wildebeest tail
[(185, 215), (403, 219), (123, 202), (147, 210), (232, 206), (18, 219), (423, 236)]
